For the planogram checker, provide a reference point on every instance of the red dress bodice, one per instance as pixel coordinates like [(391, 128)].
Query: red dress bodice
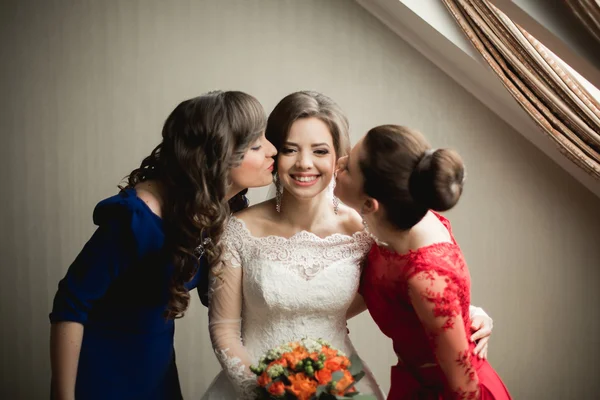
[(421, 301)]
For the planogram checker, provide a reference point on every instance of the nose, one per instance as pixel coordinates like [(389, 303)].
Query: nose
[(271, 150), (304, 160)]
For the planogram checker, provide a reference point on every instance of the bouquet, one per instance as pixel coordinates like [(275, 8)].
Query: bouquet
[(308, 370)]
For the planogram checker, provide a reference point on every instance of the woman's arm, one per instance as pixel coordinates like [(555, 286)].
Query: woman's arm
[(225, 317), (437, 304), (98, 264), (65, 344), (358, 306)]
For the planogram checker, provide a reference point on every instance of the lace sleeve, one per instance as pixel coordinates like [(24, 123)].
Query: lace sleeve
[(436, 301), (224, 313)]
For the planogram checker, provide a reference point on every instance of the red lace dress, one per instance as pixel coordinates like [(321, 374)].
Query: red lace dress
[(421, 301)]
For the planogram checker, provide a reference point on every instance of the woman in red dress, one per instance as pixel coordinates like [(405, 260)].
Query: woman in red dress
[(416, 283)]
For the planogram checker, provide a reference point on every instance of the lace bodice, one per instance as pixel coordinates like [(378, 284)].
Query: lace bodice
[(428, 290), (272, 290)]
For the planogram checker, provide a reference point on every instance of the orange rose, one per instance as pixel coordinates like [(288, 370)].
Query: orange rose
[(301, 352), (290, 358), (323, 376), (282, 362), (329, 352), (277, 388), (302, 387), (264, 379), (293, 358), (343, 383), (336, 363)]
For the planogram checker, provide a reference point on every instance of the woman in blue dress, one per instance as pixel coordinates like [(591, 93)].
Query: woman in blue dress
[(113, 314)]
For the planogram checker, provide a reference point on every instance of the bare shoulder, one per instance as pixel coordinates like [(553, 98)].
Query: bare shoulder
[(150, 194), (429, 231), (350, 220), (258, 217), (260, 210)]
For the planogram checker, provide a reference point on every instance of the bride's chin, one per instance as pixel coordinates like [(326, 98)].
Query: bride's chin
[(307, 193)]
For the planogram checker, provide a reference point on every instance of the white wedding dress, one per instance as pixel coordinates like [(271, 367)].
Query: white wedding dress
[(273, 290)]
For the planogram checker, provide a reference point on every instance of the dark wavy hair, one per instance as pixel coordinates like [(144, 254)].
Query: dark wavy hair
[(202, 140)]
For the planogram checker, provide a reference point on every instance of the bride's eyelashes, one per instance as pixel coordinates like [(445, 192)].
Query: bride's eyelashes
[(319, 152)]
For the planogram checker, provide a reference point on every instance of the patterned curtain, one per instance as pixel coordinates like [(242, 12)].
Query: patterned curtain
[(536, 78), (588, 12)]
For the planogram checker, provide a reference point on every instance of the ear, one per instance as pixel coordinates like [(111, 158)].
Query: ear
[(370, 206)]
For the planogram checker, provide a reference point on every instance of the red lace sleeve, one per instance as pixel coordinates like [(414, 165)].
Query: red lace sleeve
[(435, 299)]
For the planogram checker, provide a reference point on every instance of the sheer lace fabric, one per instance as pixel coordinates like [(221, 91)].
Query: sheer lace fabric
[(272, 290), (428, 290)]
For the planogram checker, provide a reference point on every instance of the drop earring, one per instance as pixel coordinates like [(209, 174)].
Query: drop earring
[(278, 193)]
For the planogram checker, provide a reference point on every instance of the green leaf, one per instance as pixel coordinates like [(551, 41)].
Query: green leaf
[(337, 376), (356, 364), (358, 376), (286, 381), (320, 390), (350, 387), (262, 394)]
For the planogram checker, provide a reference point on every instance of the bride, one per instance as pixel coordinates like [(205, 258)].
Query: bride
[(290, 265)]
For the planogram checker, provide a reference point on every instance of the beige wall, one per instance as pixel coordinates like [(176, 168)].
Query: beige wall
[(86, 86)]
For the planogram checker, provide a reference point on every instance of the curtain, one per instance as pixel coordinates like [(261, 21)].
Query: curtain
[(564, 110)]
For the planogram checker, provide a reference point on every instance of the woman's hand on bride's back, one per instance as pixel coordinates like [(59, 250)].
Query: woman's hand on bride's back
[(481, 326)]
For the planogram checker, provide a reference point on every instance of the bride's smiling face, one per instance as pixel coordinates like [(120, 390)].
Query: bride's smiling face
[(306, 162)]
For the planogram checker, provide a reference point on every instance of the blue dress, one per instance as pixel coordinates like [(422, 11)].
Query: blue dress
[(117, 287)]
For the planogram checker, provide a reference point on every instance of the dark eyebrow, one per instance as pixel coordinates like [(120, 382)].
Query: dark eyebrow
[(313, 145)]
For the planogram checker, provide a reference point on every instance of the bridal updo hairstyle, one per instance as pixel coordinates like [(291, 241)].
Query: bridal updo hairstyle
[(407, 177)]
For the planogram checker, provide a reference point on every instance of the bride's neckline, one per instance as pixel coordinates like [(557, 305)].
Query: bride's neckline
[(303, 234)]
